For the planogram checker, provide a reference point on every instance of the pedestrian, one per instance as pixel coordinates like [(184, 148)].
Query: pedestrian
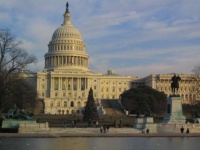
[(143, 130), (72, 123), (75, 123), (97, 124), (182, 129), (187, 131), (65, 123), (101, 129), (147, 131), (104, 128), (108, 128)]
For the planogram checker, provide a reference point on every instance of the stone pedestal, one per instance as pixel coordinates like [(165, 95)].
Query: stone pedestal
[(138, 123), (33, 127), (145, 123), (174, 111), (148, 120), (150, 125)]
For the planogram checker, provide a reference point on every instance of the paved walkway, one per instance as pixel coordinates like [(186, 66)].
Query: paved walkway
[(93, 132)]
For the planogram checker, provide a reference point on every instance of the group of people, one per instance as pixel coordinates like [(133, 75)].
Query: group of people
[(93, 123), (182, 130), (104, 129), (145, 131)]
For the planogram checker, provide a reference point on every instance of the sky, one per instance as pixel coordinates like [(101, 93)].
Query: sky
[(132, 37)]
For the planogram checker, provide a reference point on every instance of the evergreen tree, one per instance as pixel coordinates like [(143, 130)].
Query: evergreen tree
[(90, 112), (144, 99)]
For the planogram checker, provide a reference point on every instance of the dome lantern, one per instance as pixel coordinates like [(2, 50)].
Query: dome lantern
[(67, 16)]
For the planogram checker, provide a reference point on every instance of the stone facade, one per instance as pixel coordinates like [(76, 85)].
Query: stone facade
[(162, 83), (64, 83), (66, 79)]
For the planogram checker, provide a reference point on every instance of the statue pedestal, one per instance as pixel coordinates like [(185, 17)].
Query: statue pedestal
[(174, 111), (148, 120), (138, 123), (145, 123)]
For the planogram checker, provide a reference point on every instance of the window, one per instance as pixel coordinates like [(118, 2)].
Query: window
[(64, 94), (72, 104), (107, 89), (65, 104), (83, 94), (58, 103), (113, 89)]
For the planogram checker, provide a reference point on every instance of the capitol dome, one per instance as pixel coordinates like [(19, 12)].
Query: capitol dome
[(66, 32), (66, 48)]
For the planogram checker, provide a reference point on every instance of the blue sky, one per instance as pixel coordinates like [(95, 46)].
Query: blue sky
[(132, 37)]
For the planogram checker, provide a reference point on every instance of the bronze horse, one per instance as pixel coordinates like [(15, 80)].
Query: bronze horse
[(175, 83)]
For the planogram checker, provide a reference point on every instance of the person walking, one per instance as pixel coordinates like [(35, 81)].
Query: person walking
[(97, 124), (72, 123), (182, 129), (104, 128), (65, 123), (147, 131), (101, 129), (187, 131), (108, 128)]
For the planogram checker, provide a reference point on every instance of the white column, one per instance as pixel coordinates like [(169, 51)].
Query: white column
[(72, 60), (72, 86)]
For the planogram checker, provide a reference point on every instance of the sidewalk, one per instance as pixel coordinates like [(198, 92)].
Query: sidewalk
[(93, 132)]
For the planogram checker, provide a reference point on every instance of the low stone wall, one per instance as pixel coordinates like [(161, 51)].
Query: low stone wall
[(33, 127), (175, 128)]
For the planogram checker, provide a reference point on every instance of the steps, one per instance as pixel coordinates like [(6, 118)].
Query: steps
[(112, 107)]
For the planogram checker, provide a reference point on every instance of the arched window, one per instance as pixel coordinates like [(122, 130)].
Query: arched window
[(72, 104), (65, 104), (67, 111), (58, 103), (72, 111)]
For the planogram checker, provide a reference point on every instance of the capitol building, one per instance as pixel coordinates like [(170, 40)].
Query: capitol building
[(64, 83)]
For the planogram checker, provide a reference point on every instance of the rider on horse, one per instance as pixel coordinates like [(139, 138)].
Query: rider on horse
[(175, 83)]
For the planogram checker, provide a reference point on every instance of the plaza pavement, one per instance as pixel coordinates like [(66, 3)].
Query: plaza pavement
[(93, 132)]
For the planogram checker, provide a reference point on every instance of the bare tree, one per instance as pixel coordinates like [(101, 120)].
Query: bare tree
[(12, 58), (196, 88)]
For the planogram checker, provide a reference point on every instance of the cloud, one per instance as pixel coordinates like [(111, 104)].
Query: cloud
[(133, 37)]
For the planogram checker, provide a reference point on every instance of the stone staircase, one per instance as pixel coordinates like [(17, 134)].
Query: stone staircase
[(112, 107)]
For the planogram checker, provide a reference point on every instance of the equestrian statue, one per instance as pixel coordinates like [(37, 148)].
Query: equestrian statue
[(175, 84)]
